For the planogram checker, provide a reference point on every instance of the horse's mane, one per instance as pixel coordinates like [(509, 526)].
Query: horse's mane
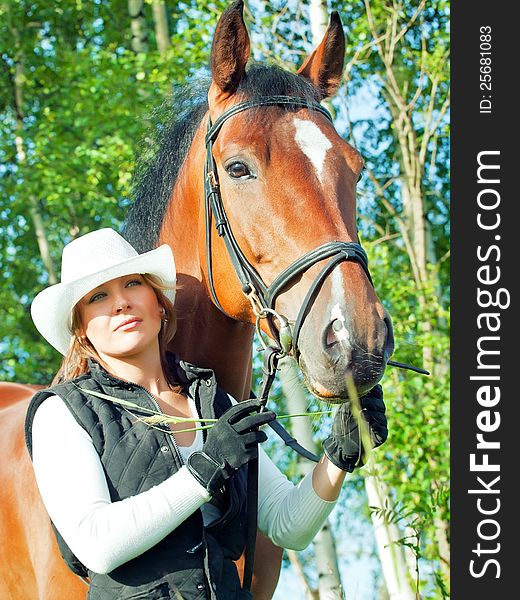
[(167, 144)]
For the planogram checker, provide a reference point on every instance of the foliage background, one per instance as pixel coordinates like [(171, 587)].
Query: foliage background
[(75, 105)]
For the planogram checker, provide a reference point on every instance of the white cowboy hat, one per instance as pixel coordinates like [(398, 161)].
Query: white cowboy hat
[(86, 263)]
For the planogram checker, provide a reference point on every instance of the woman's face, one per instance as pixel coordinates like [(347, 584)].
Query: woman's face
[(121, 318)]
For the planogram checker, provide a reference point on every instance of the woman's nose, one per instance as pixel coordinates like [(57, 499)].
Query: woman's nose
[(122, 303)]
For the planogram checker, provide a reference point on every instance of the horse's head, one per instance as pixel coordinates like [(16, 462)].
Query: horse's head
[(288, 186)]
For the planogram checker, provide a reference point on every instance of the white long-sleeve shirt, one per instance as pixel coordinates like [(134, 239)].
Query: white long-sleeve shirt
[(105, 534)]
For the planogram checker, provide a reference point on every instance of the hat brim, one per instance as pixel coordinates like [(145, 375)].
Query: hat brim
[(51, 309)]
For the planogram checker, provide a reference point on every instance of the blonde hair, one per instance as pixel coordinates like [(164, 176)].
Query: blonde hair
[(75, 362)]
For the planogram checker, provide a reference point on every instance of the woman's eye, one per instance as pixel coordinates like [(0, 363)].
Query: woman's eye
[(133, 282), (238, 170), (96, 297)]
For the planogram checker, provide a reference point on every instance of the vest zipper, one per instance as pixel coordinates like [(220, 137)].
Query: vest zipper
[(169, 434)]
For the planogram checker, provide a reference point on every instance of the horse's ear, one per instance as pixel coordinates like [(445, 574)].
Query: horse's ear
[(324, 67), (229, 52)]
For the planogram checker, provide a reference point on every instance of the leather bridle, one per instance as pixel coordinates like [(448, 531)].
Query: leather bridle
[(261, 296)]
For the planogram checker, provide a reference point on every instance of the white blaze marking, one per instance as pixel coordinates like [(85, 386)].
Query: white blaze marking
[(337, 315), (313, 143)]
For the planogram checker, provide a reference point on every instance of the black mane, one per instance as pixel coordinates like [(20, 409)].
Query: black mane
[(174, 124), (167, 144)]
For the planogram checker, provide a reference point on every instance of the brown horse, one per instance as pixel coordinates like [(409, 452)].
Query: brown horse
[(287, 181)]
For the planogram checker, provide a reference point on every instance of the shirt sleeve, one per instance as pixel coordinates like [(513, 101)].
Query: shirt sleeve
[(101, 533), (290, 515)]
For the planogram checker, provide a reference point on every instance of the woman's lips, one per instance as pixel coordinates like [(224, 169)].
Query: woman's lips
[(128, 324)]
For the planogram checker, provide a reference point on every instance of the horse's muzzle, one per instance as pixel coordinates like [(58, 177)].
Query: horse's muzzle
[(342, 359)]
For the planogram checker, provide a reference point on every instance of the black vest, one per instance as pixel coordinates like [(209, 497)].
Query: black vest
[(192, 561)]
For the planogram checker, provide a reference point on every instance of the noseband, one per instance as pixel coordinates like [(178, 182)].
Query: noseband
[(261, 296)]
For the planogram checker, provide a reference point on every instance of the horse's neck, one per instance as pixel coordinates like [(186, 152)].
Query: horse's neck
[(212, 340), (205, 336)]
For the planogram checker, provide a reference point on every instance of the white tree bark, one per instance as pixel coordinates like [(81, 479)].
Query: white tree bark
[(319, 18), (138, 26), (413, 224), (329, 582), (391, 555), (294, 558), (160, 19)]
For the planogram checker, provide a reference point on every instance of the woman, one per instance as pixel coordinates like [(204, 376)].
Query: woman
[(151, 508)]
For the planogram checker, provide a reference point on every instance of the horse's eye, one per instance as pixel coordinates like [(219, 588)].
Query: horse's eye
[(238, 170), (360, 176)]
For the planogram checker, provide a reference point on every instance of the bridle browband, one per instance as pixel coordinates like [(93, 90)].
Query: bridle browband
[(261, 296)]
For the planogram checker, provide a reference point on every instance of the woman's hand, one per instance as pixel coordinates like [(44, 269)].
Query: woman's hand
[(230, 443), (344, 446)]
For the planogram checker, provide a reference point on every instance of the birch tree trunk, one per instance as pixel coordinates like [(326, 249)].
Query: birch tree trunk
[(412, 153), (319, 19), (21, 155), (160, 19), (412, 222), (139, 41), (329, 582), (391, 555)]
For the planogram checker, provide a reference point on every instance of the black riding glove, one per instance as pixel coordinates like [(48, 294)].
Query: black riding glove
[(230, 443), (343, 447)]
